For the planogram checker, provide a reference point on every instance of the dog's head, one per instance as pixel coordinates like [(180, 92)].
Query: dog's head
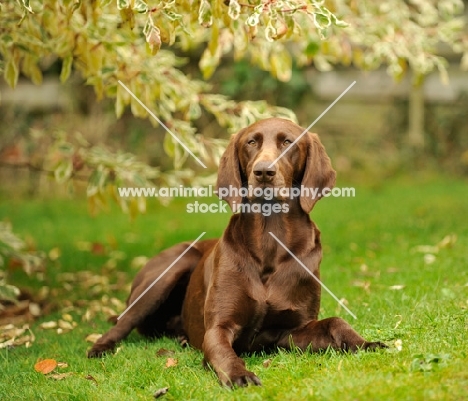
[(266, 156)]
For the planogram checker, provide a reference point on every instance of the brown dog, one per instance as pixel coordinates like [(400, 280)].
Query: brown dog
[(245, 292)]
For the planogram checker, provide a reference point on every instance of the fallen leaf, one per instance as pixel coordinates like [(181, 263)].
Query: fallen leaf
[(396, 287), (98, 249), (18, 313), (183, 341), (138, 262), (447, 242), (398, 345), (48, 325), (12, 336), (160, 392), (266, 363), (54, 253), (45, 366), (365, 285), (117, 303), (43, 293), (427, 249), (65, 325), (59, 376), (67, 317), (164, 352), (62, 365), (35, 309), (92, 338), (429, 258), (111, 264), (171, 362), (89, 377)]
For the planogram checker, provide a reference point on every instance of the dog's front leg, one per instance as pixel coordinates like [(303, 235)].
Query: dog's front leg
[(332, 332), (218, 351)]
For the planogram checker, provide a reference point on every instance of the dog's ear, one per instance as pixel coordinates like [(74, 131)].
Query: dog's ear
[(318, 173), (229, 175)]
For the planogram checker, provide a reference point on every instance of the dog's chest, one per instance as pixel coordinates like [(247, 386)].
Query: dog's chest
[(281, 299), (274, 314)]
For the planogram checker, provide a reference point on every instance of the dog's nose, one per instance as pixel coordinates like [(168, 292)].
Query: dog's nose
[(263, 172)]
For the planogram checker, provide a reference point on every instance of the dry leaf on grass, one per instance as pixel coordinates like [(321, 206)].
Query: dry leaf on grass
[(266, 363), (365, 285), (104, 306), (35, 309), (171, 362), (54, 253), (397, 287), (398, 345), (98, 249), (92, 338), (45, 366), (447, 242), (59, 376), (48, 325), (18, 313), (164, 352), (12, 336), (183, 341), (429, 258), (67, 317), (89, 377), (160, 392), (64, 325), (138, 262)]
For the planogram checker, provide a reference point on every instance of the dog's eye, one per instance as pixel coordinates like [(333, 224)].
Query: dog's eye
[(287, 142), (252, 142)]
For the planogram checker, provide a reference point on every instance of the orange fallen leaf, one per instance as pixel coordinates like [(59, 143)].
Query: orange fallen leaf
[(171, 362), (45, 366), (98, 249)]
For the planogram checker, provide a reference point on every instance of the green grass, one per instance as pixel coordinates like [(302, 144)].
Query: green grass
[(369, 246)]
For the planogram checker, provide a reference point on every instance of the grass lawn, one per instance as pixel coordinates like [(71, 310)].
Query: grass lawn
[(371, 259)]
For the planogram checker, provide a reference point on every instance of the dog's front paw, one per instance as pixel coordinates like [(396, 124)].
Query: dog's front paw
[(99, 350), (373, 346), (240, 379)]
